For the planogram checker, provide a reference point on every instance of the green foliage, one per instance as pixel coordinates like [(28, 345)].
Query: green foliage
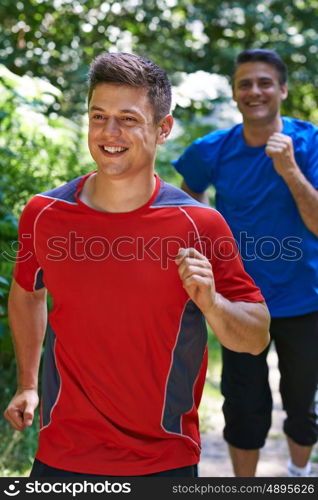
[(172, 149), (38, 150), (17, 449), (56, 39)]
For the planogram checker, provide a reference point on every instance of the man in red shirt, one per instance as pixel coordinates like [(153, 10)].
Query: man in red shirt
[(133, 265)]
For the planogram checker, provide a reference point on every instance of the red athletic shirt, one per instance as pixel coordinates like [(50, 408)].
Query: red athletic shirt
[(125, 356)]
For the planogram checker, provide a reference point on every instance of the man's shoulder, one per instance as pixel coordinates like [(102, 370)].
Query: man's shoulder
[(66, 192), (201, 215), (217, 136), (172, 196), (297, 126)]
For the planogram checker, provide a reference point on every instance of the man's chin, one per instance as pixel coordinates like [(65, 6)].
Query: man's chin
[(112, 170)]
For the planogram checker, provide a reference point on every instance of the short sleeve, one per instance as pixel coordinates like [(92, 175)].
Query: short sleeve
[(305, 140), (27, 271), (198, 163), (231, 279)]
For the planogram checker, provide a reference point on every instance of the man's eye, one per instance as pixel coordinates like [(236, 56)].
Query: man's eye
[(98, 117), (129, 119)]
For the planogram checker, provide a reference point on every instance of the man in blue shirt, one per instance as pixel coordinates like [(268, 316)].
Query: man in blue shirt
[(265, 174)]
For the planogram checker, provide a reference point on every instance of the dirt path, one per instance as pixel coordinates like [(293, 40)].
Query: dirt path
[(273, 462)]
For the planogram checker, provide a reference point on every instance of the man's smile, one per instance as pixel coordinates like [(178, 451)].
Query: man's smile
[(113, 150), (255, 104)]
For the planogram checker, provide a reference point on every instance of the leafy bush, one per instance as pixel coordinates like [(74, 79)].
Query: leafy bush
[(38, 150)]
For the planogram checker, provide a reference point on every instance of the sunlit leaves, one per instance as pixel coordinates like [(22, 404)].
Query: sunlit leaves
[(56, 39)]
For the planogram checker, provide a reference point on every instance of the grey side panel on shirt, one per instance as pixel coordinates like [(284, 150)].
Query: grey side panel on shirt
[(187, 360), (50, 378)]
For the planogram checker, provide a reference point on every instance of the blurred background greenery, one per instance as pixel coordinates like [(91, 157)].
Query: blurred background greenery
[(45, 49)]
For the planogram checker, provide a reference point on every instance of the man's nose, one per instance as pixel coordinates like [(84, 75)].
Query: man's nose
[(255, 89), (112, 127)]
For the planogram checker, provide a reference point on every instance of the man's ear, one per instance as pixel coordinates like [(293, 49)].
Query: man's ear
[(284, 91), (164, 128)]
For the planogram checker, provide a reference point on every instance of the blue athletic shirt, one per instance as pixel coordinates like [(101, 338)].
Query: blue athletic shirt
[(278, 251)]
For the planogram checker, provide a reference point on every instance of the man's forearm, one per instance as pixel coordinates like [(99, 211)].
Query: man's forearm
[(240, 326), (28, 317), (306, 199)]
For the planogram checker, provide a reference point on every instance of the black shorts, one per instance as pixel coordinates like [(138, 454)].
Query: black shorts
[(40, 469), (248, 403)]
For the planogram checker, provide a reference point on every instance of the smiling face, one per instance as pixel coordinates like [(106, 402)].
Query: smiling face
[(122, 135), (258, 92)]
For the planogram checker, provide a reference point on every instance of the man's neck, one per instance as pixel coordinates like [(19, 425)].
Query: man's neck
[(257, 134), (117, 195)]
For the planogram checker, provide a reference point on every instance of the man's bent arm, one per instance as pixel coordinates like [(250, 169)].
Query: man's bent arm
[(202, 197), (239, 326), (306, 198), (280, 148), (28, 318)]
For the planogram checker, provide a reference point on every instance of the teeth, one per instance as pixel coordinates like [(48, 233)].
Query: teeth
[(111, 149)]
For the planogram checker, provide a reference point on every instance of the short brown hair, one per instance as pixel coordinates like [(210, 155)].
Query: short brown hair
[(128, 69), (266, 56)]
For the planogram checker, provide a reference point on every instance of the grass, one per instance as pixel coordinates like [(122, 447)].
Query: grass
[(17, 450)]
